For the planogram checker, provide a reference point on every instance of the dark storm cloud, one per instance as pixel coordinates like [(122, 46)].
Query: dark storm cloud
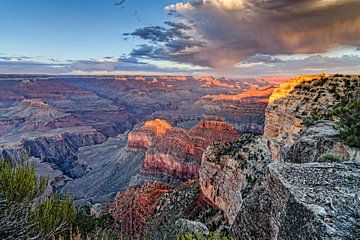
[(235, 30)]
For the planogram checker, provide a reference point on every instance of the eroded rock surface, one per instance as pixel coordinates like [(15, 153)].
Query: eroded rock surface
[(229, 171), (301, 98), (177, 151), (319, 140), (307, 201)]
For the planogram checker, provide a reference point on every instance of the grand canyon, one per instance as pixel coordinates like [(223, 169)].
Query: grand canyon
[(180, 120), (159, 157)]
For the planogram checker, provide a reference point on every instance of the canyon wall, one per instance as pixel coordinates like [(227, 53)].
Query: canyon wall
[(264, 197), (303, 99), (175, 151)]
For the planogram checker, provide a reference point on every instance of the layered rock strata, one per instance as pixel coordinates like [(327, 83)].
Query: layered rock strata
[(304, 97), (176, 151)]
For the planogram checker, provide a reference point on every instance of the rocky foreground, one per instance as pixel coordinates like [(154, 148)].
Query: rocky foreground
[(299, 180)]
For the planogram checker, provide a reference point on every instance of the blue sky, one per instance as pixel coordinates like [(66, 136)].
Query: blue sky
[(72, 30), (221, 37)]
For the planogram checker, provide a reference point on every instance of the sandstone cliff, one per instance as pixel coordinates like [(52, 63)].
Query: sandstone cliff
[(302, 98), (177, 151), (299, 199), (229, 170)]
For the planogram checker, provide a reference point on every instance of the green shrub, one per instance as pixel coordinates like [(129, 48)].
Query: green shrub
[(328, 158), (24, 216), (349, 124), (54, 214), (311, 120), (216, 235), (20, 183), (93, 227)]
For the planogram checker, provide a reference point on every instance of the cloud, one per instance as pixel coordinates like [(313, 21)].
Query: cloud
[(222, 33), (255, 66), (347, 64), (32, 67), (125, 64)]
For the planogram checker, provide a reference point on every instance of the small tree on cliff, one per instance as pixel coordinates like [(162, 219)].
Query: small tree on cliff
[(349, 124)]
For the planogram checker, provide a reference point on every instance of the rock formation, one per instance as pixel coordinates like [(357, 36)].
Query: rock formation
[(229, 170), (319, 140), (176, 151), (302, 98), (133, 208), (307, 201), (244, 110), (299, 195), (56, 118)]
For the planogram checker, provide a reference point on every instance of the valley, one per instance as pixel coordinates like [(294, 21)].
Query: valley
[(121, 131)]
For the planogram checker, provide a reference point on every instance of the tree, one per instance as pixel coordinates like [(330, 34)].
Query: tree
[(349, 124)]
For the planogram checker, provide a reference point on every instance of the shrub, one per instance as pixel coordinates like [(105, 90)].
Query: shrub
[(311, 120), (54, 214), (20, 183), (328, 158), (349, 124), (216, 235), (93, 227)]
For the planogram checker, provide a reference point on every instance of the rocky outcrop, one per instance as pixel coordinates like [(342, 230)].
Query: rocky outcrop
[(176, 151), (187, 226), (304, 97), (185, 201), (133, 208), (320, 140), (301, 195), (57, 147), (229, 171), (245, 110), (307, 201)]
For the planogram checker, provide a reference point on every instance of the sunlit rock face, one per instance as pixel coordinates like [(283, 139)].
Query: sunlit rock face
[(264, 183), (302, 98), (176, 151), (244, 110), (229, 170), (133, 208)]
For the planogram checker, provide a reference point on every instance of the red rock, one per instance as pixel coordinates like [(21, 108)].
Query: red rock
[(132, 208), (176, 151)]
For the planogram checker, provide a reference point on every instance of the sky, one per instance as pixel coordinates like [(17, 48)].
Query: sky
[(234, 38)]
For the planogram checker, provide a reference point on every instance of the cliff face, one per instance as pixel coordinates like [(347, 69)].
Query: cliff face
[(229, 170), (57, 147), (244, 110), (300, 99), (293, 197), (176, 151), (307, 201), (133, 208)]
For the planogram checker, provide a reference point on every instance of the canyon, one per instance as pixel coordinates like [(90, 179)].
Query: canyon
[(81, 129), (252, 158), (279, 185)]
